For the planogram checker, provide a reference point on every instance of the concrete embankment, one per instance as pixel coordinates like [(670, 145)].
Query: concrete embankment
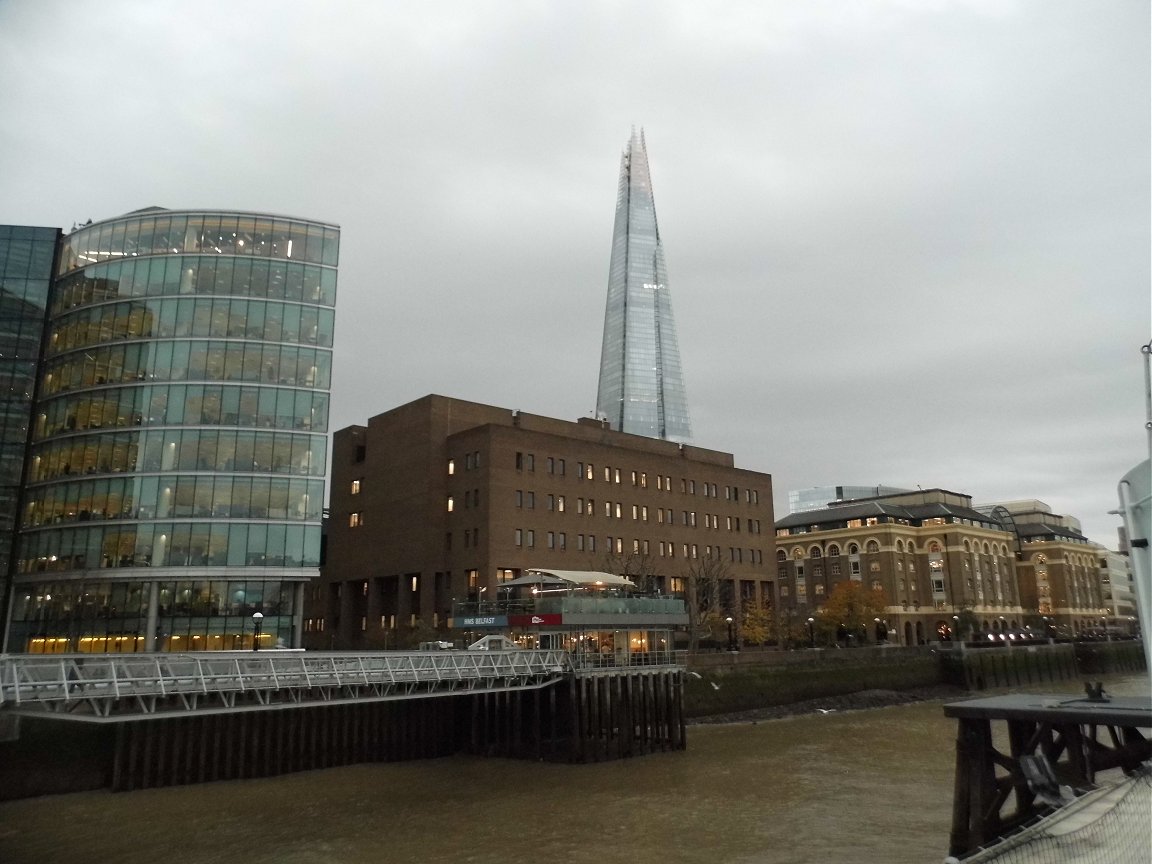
[(731, 683)]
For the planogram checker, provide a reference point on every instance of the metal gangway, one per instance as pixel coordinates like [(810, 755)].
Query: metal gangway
[(120, 687)]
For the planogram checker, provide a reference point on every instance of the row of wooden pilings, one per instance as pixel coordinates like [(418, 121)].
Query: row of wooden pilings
[(1025, 665), (580, 718)]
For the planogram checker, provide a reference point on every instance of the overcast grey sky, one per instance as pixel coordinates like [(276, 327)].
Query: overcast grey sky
[(908, 241)]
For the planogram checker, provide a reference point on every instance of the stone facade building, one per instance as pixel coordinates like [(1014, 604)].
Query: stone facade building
[(930, 552), (1058, 568)]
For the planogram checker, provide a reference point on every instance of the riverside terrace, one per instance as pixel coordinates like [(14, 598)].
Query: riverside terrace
[(597, 617)]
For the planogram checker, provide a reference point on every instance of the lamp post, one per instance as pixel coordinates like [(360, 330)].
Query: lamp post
[(731, 636), (880, 629), (257, 622), (956, 627), (811, 633)]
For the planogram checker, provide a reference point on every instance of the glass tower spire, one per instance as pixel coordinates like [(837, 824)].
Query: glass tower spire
[(641, 384)]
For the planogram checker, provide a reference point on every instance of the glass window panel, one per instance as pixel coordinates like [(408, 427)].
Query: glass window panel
[(255, 319), (237, 545), (331, 254), (257, 544), (315, 250), (313, 290), (131, 239), (277, 536), (224, 269), (293, 282), (234, 362), (117, 243), (259, 283), (291, 314), (242, 277), (276, 285), (311, 546), (205, 279), (181, 357), (326, 322), (177, 277), (145, 238), (176, 234), (249, 403), (161, 241), (262, 237)]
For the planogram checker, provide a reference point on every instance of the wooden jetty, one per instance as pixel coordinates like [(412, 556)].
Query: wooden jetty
[(1006, 745)]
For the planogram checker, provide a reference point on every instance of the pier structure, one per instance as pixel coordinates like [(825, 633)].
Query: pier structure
[(170, 719), (1020, 756)]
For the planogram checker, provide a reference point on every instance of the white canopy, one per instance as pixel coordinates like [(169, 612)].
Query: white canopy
[(580, 578)]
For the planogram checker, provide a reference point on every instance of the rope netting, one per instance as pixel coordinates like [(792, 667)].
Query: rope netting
[(1110, 826)]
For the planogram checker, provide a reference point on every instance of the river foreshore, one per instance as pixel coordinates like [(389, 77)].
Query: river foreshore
[(859, 701)]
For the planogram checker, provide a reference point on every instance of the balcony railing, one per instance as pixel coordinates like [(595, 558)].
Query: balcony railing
[(573, 605)]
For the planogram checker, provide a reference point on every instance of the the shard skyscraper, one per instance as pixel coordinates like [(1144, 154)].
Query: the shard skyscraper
[(641, 384)]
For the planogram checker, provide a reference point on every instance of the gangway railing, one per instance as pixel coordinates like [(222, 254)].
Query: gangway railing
[(116, 687)]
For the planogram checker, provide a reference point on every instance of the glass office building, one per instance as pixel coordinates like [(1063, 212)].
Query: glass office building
[(26, 255), (641, 386), (175, 478)]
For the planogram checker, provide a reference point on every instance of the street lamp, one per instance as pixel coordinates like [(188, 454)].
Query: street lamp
[(955, 627), (811, 633), (731, 636), (257, 622), (880, 630)]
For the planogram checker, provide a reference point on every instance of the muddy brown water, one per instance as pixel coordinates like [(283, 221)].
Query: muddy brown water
[(860, 787)]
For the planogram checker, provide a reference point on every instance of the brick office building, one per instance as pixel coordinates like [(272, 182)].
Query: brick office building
[(443, 499)]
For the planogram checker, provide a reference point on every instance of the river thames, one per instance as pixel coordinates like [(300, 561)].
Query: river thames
[(862, 786)]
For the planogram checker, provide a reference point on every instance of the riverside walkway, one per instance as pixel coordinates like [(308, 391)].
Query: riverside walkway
[(125, 687)]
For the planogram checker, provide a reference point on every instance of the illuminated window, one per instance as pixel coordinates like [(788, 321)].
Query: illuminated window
[(355, 487), (355, 520), (451, 466), (451, 504)]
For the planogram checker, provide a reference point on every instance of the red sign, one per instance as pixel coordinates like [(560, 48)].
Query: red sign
[(549, 620)]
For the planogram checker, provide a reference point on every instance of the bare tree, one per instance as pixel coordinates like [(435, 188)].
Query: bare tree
[(708, 596), (637, 567)]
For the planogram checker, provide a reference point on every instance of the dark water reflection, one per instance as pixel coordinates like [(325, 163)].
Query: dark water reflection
[(861, 787)]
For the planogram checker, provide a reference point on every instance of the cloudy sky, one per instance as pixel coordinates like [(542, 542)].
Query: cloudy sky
[(907, 240)]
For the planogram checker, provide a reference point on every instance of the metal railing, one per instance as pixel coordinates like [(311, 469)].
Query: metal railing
[(582, 604), (128, 686)]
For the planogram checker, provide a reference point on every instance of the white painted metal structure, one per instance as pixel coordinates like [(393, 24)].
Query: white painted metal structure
[(118, 687)]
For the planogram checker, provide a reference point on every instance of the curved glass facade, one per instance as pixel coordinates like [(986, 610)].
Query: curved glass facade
[(179, 438)]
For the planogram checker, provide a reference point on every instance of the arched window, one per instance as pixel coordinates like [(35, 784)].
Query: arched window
[(899, 545), (873, 547), (987, 550), (815, 552), (853, 549), (967, 547), (781, 555), (876, 585), (911, 545), (797, 553), (933, 546), (833, 551)]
